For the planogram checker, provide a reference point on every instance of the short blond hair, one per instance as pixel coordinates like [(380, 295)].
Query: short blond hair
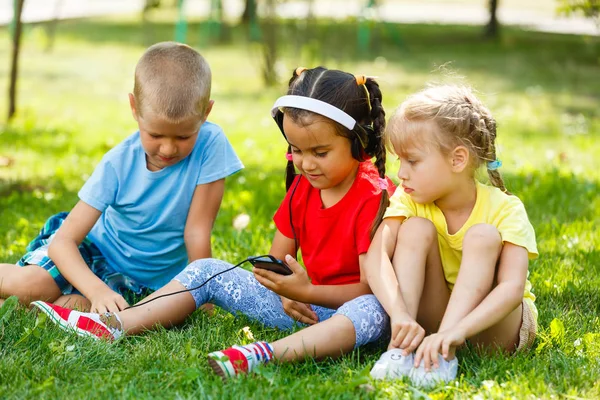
[(172, 81), (459, 118)]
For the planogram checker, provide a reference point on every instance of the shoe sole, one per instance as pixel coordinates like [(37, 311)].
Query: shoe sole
[(58, 320), (220, 367)]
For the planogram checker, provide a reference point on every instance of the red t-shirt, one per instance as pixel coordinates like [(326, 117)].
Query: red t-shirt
[(332, 238)]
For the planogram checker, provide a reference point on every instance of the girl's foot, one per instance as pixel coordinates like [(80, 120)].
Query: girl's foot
[(240, 359), (393, 365), (446, 372), (97, 326)]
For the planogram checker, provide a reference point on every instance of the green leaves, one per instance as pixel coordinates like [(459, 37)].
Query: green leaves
[(7, 309), (36, 331), (557, 331)]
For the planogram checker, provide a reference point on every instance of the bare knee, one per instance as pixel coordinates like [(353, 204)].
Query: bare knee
[(483, 237), (417, 230), (29, 283)]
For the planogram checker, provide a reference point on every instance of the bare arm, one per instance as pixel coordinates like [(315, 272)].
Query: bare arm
[(65, 254), (298, 287), (505, 297), (334, 296), (201, 218), (379, 270), (282, 245), (299, 311)]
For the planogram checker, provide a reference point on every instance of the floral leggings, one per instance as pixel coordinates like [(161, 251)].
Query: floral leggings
[(238, 292)]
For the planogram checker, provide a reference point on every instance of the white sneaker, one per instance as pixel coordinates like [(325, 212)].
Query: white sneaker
[(392, 365), (444, 373)]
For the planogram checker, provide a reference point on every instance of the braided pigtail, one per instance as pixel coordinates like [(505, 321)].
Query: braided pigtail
[(377, 145), (489, 136), (290, 171)]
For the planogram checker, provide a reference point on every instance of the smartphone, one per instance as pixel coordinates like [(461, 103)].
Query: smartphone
[(270, 263)]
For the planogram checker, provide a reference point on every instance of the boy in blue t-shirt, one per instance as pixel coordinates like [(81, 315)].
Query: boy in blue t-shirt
[(149, 207)]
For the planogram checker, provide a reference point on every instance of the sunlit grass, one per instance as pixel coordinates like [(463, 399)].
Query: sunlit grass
[(543, 90)]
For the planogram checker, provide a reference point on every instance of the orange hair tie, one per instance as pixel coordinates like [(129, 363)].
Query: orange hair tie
[(360, 79), (300, 70)]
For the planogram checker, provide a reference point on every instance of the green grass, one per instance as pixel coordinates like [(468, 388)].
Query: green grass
[(542, 88)]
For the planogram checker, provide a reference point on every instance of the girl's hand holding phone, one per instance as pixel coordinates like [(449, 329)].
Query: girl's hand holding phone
[(296, 286)]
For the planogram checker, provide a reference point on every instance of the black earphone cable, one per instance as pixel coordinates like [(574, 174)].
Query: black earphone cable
[(291, 220), (187, 290), (236, 265)]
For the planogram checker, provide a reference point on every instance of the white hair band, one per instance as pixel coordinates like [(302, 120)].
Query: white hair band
[(316, 106)]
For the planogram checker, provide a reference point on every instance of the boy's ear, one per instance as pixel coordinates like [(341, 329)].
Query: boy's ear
[(132, 106), (208, 109), (460, 158)]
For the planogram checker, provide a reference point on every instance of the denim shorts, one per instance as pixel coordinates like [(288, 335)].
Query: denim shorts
[(37, 254)]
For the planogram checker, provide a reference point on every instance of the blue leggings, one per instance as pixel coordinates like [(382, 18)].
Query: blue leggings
[(238, 292)]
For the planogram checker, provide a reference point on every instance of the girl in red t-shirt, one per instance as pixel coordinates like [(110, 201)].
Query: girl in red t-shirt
[(333, 122)]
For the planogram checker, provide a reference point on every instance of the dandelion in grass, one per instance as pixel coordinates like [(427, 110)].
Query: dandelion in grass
[(241, 222), (248, 333)]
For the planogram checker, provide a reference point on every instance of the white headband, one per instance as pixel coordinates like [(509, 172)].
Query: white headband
[(316, 106)]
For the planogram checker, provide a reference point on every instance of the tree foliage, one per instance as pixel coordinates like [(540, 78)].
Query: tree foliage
[(589, 8)]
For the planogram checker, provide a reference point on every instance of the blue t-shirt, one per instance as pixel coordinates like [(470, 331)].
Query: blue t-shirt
[(140, 231)]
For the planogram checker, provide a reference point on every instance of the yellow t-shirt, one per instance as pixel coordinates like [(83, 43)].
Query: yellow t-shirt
[(493, 207)]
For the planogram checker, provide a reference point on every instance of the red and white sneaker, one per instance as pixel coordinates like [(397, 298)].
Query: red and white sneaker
[(238, 360), (97, 326)]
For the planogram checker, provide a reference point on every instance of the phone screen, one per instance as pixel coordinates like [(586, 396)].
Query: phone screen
[(270, 263)]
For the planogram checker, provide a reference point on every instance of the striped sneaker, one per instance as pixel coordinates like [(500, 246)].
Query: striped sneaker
[(97, 326), (238, 360)]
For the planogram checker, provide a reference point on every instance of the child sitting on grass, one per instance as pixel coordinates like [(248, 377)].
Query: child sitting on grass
[(450, 259), (148, 208), (333, 123)]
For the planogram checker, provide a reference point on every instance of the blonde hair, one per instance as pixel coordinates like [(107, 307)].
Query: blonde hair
[(459, 119), (172, 80)]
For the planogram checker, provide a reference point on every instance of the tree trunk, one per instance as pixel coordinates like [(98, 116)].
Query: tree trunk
[(249, 12), (52, 25), (16, 45), (269, 39), (491, 30)]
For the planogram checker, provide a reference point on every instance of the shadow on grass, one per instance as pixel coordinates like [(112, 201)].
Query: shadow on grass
[(47, 141), (555, 196), (550, 197), (568, 282)]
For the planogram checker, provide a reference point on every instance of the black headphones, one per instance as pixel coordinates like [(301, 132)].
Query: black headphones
[(359, 145)]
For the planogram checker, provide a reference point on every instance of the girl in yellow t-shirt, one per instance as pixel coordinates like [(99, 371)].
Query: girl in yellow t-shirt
[(449, 262)]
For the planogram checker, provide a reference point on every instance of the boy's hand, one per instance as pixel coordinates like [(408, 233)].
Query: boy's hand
[(107, 301), (300, 312), (444, 343), (407, 334), (295, 286)]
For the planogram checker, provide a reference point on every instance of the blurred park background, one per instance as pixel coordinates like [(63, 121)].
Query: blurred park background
[(535, 63)]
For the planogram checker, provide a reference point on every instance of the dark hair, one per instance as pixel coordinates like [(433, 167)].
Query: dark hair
[(361, 101)]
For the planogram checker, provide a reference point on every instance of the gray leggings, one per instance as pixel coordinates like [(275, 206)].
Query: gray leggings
[(238, 292)]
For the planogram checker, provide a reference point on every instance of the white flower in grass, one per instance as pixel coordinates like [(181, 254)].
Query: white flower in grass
[(241, 222), (248, 333), (488, 384)]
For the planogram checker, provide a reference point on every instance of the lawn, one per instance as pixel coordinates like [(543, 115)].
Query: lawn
[(543, 89)]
